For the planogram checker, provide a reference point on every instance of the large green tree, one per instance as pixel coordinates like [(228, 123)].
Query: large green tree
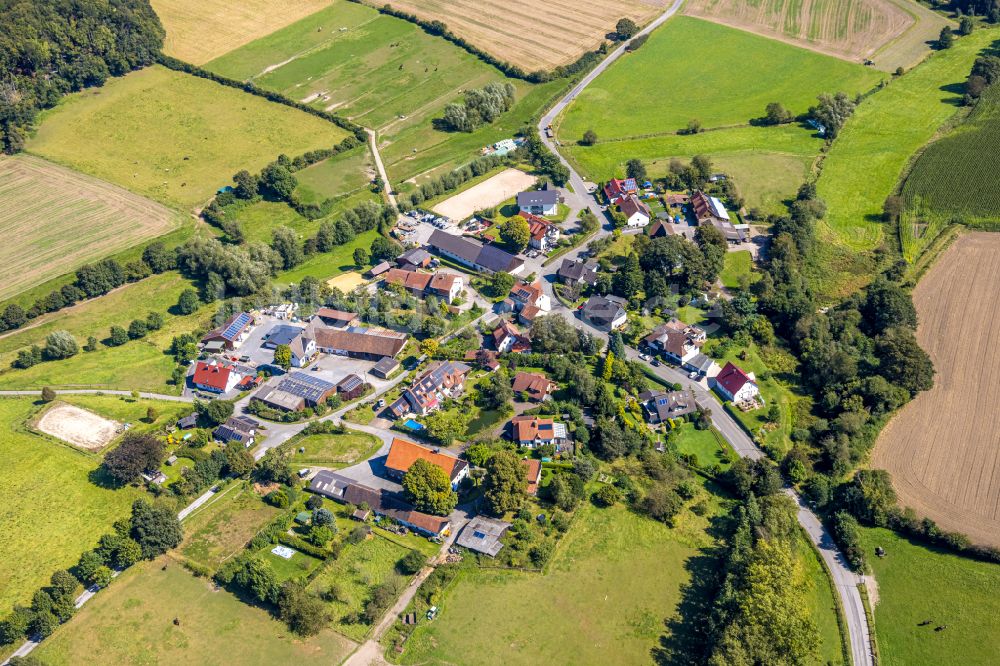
[(504, 484), (138, 453), (428, 488), (514, 232)]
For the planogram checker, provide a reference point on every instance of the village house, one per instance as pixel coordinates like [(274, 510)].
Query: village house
[(232, 333), (508, 338), (616, 190), (527, 300), (402, 454), (446, 286), (336, 318), (242, 429), (736, 386), (381, 502), (539, 202), (485, 359), (534, 431), (677, 341), (710, 210), (573, 272), (302, 347), (215, 376), (483, 258), (535, 386), (605, 312), (659, 406), (636, 212), (441, 380), (543, 235)]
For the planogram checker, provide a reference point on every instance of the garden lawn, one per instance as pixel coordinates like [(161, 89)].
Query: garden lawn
[(325, 265), (297, 567), (174, 137), (52, 512), (220, 530), (867, 158), (359, 568), (614, 579), (737, 265), (334, 450), (767, 163), (917, 583), (133, 622), (674, 78), (707, 445)]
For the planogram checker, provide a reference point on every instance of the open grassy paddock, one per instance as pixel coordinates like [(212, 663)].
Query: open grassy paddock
[(132, 622), (738, 267), (335, 450), (767, 163), (659, 88), (891, 32), (340, 175), (324, 266), (48, 497), (173, 137), (917, 583), (515, 31), (865, 162), (942, 448), (63, 219), (199, 30)]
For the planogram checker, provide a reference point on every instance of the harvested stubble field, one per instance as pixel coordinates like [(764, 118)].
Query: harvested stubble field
[(63, 219), (943, 449), (173, 137), (81, 428), (892, 32), (199, 30), (524, 34), (486, 194)]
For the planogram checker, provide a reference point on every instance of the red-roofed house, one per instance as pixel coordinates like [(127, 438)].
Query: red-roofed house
[(533, 471), (215, 377), (534, 431), (446, 286), (528, 300), (637, 213), (616, 190), (544, 234), (537, 387), (508, 338), (735, 385), (402, 454)]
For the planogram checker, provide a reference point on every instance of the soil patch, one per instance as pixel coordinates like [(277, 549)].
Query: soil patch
[(81, 428), (486, 194)]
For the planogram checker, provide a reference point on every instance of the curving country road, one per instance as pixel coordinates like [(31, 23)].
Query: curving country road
[(844, 579)]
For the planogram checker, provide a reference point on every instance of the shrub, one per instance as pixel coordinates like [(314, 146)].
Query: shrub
[(607, 495), (278, 498), (411, 563)]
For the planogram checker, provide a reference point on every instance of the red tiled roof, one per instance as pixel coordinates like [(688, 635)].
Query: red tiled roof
[(402, 454), (526, 428), (631, 205), (535, 384), (409, 279), (335, 315), (213, 375), (533, 471), (732, 379)]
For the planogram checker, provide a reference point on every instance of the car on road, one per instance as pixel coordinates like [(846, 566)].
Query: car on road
[(655, 363), (645, 357), (693, 375)]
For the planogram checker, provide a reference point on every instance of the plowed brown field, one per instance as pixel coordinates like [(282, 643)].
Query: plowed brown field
[(943, 448), (528, 33)]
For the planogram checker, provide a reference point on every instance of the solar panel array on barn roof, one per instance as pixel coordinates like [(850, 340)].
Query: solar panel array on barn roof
[(305, 386), (236, 326)]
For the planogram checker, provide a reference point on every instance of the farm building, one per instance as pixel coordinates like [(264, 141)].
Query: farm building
[(350, 387), (539, 202), (336, 318), (533, 474), (372, 344), (413, 259), (232, 333), (482, 535), (385, 367), (402, 454), (475, 255), (295, 392)]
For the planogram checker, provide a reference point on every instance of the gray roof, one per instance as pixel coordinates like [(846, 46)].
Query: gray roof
[(283, 334), (482, 535), (537, 198), (386, 365), (700, 362), (669, 404), (603, 309), (305, 386), (578, 271), (349, 383), (416, 255), (489, 257)]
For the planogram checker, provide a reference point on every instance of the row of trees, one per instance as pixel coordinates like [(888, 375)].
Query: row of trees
[(481, 106), (450, 181), (48, 49)]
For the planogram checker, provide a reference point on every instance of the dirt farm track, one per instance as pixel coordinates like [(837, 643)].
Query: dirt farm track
[(943, 448)]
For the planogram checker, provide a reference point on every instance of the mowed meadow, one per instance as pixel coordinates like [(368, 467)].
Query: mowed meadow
[(943, 448), (386, 74), (660, 87), (173, 137), (62, 219)]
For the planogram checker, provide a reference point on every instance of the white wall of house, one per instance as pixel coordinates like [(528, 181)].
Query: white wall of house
[(638, 219)]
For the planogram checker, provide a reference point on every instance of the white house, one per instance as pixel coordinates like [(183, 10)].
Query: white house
[(637, 213), (539, 202), (735, 385)]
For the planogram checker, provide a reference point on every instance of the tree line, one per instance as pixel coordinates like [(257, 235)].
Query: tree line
[(49, 49), (481, 106)]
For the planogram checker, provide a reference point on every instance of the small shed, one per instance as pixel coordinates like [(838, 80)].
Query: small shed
[(385, 367), (214, 347), (171, 460), (361, 514), (303, 517)]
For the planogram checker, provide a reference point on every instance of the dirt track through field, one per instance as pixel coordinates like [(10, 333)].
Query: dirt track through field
[(943, 448), (531, 34), (61, 219)]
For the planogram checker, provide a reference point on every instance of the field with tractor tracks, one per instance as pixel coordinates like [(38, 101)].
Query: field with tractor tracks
[(943, 448)]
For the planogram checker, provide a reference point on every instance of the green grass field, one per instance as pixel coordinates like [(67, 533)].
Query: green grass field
[(819, 594), (221, 529), (917, 583), (957, 175), (767, 163), (172, 137), (132, 622), (359, 568), (663, 85), (52, 512), (738, 267), (706, 444), (342, 174), (613, 580), (260, 218), (384, 73), (882, 135), (335, 450), (330, 264)]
